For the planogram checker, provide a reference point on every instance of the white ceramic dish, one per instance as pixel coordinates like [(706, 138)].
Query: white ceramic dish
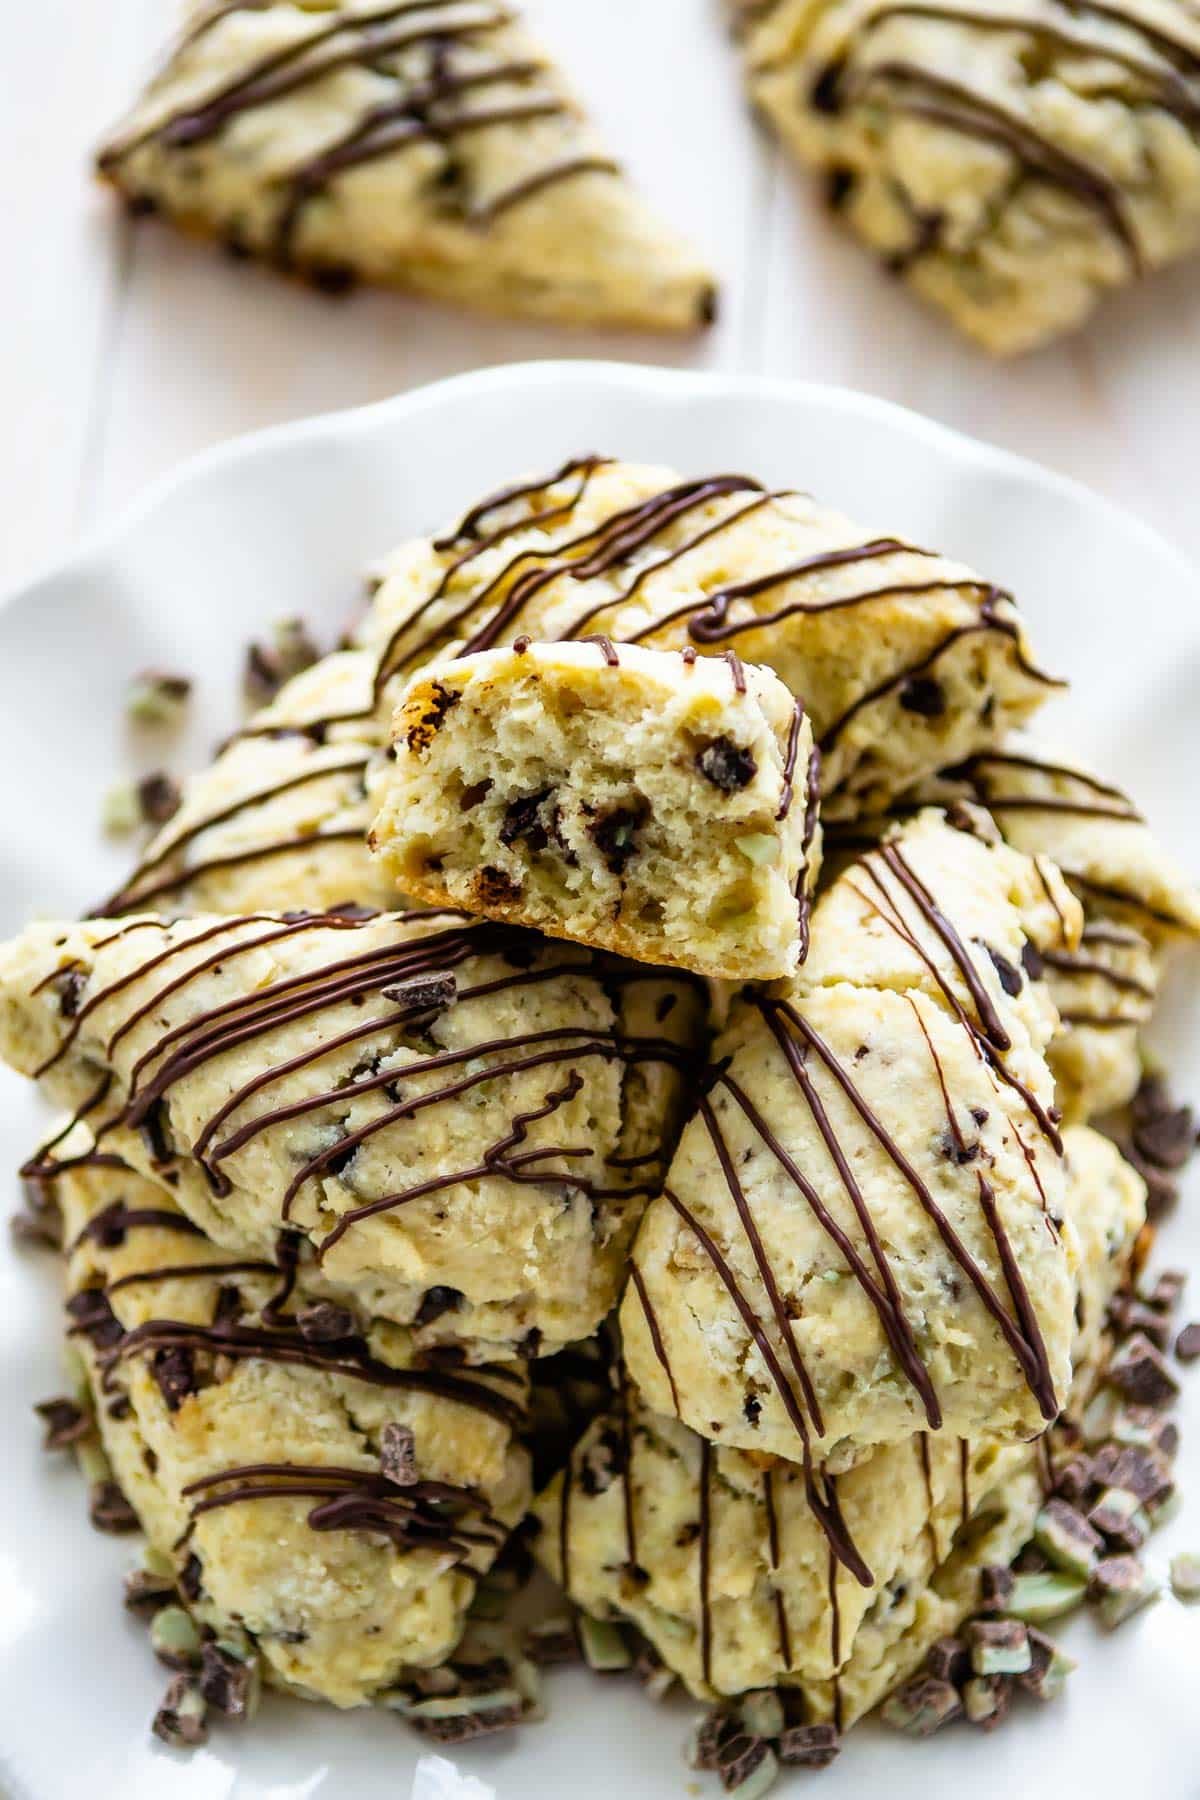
[(285, 523)]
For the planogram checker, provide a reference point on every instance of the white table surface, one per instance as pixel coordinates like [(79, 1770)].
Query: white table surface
[(129, 348)]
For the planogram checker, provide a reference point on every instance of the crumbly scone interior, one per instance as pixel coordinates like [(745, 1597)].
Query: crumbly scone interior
[(633, 803)]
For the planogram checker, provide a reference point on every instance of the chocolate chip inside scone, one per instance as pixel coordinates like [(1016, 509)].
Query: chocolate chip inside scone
[(634, 799)]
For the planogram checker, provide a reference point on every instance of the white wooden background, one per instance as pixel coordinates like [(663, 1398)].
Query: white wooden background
[(127, 349)]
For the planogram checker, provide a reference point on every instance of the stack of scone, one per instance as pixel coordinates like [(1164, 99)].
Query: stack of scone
[(635, 1015)]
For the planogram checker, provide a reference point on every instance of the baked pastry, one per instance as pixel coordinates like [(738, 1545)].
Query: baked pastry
[(905, 661), (1105, 994), (462, 1120), (660, 805), (424, 144), (863, 1232), (324, 1498), (740, 1583), (1010, 163)]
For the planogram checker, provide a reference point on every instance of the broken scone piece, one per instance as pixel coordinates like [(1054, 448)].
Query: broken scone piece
[(324, 1499), (425, 144), (1012, 163), (656, 804)]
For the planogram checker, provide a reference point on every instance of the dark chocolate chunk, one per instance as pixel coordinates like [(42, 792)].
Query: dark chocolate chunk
[(924, 696), (752, 1408), (423, 731), (1165, 1134), (191, 1578), (65, 1422), (175, 1372), (615, 835), (92, 1317), (468, 1725), (143, 1587), (996, 1583), (1187, 1344), (70, 988), (1010, 975), (738, 1759), (435, 1302), (226, 1682), (1128, 1314), (552, 1642), (179, 1721), (840, 183), (472, 796), (1142, 1373), (324, 1322), (1032, 961), (949, 1660), (522, 823), (428, 994), (398, 1455), (727, 765), (717, 1728)]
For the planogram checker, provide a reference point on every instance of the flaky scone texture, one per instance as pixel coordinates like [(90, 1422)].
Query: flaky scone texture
[(425, 144), (437, 1107), (660, 806), (247, 1434), (863, 1230), (1011, 163)]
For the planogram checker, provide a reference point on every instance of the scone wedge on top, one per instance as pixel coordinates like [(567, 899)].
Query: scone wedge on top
[(1011, 163), (741, 1582), (658, 804), (423, 144), (905, 660), (863, 1232), (324, 1498), (460, 1122)]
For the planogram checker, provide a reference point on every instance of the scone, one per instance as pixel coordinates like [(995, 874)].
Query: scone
[(462, 1120), (904, 660), (1010, 163), (424, 144), (863, 1230), (315, 1487), (656, 804), (723, 1562), (1105, 993)]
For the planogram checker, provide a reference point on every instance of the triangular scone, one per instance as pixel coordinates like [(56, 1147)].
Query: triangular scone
[(424, 144), (1012, 163), (719, 1556), (248, 1426), (905, 660), (862, 1232), (663, 806), (462, 1121)]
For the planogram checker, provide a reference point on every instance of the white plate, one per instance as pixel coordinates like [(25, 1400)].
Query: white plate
[(285, 523)]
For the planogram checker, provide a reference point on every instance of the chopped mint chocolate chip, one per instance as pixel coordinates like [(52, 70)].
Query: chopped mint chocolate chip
[(1119, 1587), (1119, 1517), (180, 1719), (458, 1718), (1185, 1575), (1141, 1373), (1049, 1668), (152, 1582), (1187, 1344), (922, 1706), (229, 1681), (986, 1700), (1039, 1598), (175, 1638), (398, 1455), (158, 700), (998, 1646), (718, 1727), (604, 1648), (995, 1587), (65, 1421), (110, 1511), (551, 1642), (759, 847), (808, 1746), (748, 1766), (949, 1660), (761, 1713), (1065, 1537)]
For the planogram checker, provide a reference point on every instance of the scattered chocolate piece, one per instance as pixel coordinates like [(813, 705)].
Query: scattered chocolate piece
[(424, 994), (1141, 1373), (65, 1421), (726, 765), (1127, 1315), (179, 1721), (398, 1455), (1048, 1670), (1008, 973), (1119, 1517), (1038, 1598), (986, 1700), (604, 1647), (1064, 1535), (522, 821), (191, 1578), (175, 1638), (267, 668), (229, 1683), (324, 1322), (473, 1716), (159, 798), (157, 699), (1187, 1344), (422, 731), (718, 1726), (998, 1646), (1166, 1290), (39, 1222), (552, 1642), (949, 1660), (1145, 1472), (656, 1678), (809, 1746), (747, 1765), (1073, 1478), (922, 1706), (1163, 1133), (109, 1510), (1120, 1586)]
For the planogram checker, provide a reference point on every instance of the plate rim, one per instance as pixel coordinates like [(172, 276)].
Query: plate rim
[(102, 540)]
